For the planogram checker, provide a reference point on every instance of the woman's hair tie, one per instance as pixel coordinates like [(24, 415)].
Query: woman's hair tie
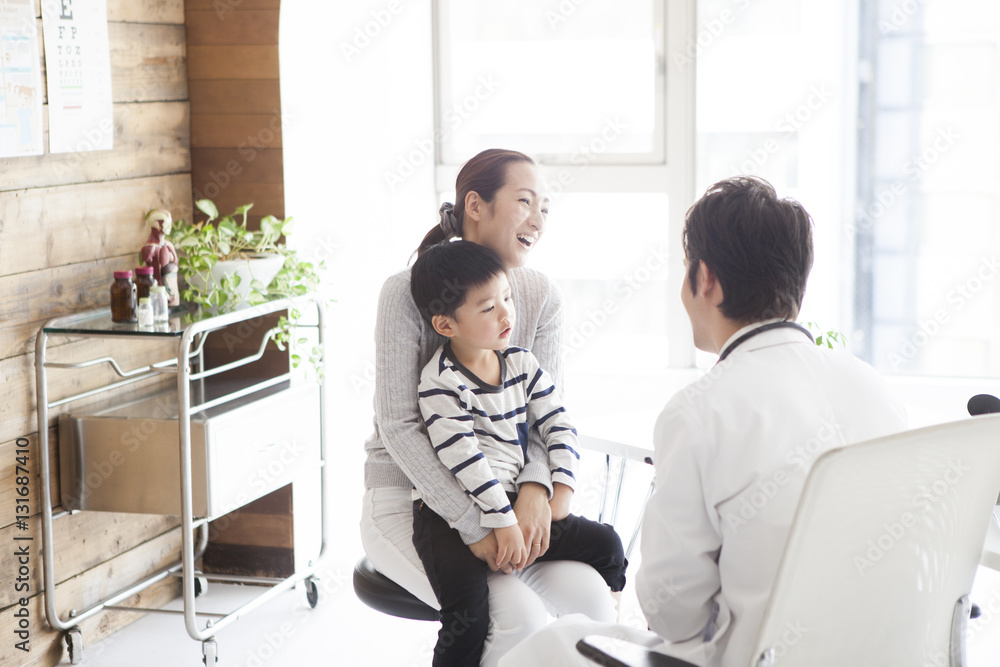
[(449, 222)]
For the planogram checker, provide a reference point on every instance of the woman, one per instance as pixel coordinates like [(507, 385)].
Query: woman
[(499, 204)]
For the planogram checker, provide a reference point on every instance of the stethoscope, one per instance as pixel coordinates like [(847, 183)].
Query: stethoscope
[(759, 330)]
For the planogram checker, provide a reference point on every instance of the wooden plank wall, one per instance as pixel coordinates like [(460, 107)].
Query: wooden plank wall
[(236, 158), (236, 154), (66, 222)]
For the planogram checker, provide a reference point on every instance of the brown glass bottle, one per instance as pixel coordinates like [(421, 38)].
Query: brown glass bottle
[(123, 297), (143, 281)]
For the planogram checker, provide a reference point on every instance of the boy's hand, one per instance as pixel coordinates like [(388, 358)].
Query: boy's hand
[(486, 551), (561, 497), (510, 547), (534, 516)]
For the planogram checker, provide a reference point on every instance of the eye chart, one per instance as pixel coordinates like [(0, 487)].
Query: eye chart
[(20, 80), (78, 68)]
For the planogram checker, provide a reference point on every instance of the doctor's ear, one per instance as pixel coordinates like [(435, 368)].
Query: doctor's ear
[(444, 325), (707, 281)]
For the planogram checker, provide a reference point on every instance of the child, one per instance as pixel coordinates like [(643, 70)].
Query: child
[(479, 398)]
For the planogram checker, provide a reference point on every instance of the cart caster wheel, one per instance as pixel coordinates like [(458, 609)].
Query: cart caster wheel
[(74, 644), (200, 585), (211, 652), (312, 593)]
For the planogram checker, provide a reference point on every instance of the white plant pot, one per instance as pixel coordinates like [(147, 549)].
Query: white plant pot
[(260, 267)]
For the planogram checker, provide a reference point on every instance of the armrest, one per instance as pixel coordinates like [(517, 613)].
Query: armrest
[(621, 653), (991, 548)]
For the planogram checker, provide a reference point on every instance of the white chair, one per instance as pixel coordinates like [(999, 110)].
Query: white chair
[(881, 554)]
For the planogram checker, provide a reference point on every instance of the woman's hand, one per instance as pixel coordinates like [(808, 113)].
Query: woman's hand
[(561, 497), (486, 551), (534, 518)]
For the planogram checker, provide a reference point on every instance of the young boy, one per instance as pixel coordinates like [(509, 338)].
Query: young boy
[(479, 398)]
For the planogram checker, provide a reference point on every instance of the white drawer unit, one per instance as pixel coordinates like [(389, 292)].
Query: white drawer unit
[(125, 458)]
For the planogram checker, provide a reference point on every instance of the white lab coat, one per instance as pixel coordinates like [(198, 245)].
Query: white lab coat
[(732, 453)]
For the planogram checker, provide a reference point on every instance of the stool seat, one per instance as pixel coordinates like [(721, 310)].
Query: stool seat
[(383, 594)]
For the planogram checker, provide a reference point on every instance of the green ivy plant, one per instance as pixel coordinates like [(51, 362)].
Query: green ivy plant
[(829, 338), (201, 245)]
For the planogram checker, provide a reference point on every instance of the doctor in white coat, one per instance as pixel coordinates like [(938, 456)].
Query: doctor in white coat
[(732, 450)]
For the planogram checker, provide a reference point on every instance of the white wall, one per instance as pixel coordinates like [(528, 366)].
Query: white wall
[(357, 102)]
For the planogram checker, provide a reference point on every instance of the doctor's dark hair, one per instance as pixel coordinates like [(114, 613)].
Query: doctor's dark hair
[(443, 274), (484, 174), (760, 248)]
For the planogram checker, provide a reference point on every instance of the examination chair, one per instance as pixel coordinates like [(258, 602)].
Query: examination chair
[(881, 555), (621, 462)]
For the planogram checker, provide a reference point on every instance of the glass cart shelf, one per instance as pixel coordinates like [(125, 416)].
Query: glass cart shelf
[(199, 394)]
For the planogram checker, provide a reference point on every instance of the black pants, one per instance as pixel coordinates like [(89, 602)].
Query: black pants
[(459, 578)]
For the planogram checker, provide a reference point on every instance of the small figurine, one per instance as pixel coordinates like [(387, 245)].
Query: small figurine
[(160, 253)]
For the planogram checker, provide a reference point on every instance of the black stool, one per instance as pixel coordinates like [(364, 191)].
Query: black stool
[(383, 594)]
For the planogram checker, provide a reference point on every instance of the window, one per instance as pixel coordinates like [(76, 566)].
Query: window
[(587, 90), (548, 78)]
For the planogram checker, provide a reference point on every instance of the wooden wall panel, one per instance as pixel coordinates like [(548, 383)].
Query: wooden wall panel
[(94, 584), (28, 300), (224, 10), (232, 63), (229, 97), (57, 226), (240, 130), (236, 158), (150, 139), (247, 26), (146, 11), (8, 473), (48, 648), (17, 380), (233, 78), (118, 532), (147, 62), (66, 221)]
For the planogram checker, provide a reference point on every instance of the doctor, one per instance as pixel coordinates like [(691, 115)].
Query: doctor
[(732, 450)]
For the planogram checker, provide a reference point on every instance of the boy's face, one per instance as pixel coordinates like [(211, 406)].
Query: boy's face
[(485, 320)]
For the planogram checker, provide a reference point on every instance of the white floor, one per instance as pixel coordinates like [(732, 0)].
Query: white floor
[(342, 631)]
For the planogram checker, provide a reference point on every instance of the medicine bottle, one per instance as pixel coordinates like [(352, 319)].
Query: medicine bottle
[(158, 299), (143, 281), (144, 312), (123, 297)]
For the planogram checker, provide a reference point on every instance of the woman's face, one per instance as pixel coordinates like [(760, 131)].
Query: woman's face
[(513, 222)]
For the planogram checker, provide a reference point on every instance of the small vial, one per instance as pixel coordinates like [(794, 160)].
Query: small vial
[(158, 299), (144, 312)]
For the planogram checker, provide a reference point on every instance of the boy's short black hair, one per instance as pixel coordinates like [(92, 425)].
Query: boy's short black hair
[(759, 246), (443, 274)]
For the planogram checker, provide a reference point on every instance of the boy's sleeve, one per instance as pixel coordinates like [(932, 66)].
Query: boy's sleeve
[(547, 414), (444, 406)]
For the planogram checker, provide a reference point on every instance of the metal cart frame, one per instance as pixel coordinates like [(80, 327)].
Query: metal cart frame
[(190, 352)]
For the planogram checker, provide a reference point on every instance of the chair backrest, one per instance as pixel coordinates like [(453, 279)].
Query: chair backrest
[(885, 542)]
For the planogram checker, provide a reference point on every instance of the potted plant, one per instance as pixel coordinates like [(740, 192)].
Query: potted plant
[(227, 265)]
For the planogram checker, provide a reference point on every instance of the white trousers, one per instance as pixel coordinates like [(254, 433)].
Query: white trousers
[(519, 603)]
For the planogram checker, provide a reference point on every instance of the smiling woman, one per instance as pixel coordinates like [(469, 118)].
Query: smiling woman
[(499, 205)]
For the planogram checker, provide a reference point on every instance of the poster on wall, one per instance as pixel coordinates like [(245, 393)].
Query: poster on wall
[(20, 80), (78, 69)]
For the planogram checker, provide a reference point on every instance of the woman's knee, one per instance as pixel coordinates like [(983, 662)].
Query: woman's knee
[(572, 587)]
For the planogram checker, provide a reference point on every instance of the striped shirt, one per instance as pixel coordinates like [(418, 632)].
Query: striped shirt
[(480, 431)]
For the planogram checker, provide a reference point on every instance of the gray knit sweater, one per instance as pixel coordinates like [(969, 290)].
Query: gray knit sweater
[(399, 452)]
